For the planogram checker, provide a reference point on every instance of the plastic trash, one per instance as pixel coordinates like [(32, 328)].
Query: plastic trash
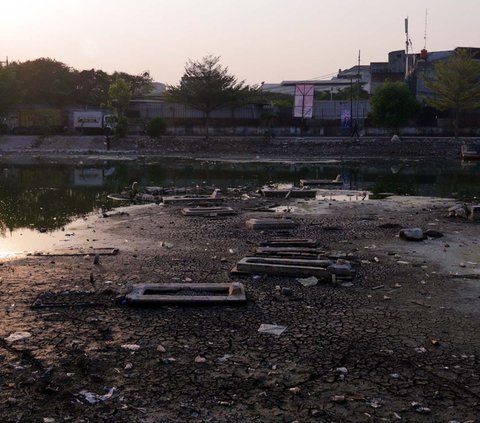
[(93, 398), (131, 347), (17, 336), (311, 281), (272, 329)]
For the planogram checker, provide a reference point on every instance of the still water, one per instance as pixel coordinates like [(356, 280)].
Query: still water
[(42, 195)]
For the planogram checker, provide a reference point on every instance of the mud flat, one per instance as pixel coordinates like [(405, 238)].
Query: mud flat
[(397, 342)]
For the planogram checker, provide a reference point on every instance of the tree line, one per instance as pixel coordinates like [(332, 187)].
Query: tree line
[(206, 85), (47, 81)]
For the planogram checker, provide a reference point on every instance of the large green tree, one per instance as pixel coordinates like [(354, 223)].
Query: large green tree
[(45, 81), (119, 96), (455, 84), (206, 85), (393, 105)]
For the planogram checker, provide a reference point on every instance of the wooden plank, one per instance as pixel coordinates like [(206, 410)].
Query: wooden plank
[(187, 293), (208, 211), (270, 224), (68, 253)]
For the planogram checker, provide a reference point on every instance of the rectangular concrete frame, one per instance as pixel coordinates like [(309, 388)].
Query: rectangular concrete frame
[(183, 199), (299, 250), (208, 211), (270, 224), (74, 253), (234, 293), (289, 242), (285, 267), (289, 193)]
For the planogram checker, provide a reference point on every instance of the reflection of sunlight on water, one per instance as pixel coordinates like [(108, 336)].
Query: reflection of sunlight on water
[(321, 204), (21, 242)]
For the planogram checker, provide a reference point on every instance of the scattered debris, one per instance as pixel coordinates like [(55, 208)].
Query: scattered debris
[(93, 398), (271, 329), (199, 359), (18, 336)]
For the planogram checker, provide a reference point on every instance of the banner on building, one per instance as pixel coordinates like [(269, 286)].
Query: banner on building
[(345, 119), (303, 105)]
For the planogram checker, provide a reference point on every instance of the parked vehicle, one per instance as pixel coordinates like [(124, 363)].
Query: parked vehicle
[(94, 121), (36, 121)]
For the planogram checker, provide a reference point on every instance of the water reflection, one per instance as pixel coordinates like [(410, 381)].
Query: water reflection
[(48, 195)]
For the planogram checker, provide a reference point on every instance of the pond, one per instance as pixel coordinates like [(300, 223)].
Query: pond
[(38, 198)]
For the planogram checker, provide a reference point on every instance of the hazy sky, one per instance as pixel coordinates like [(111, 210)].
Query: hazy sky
[(259, 40)]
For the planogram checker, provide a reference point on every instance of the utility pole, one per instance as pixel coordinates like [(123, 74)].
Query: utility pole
[(351, 102), (358, 87)]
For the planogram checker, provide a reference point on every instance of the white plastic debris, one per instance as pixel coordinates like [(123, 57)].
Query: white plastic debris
[(311, 281), (17, 336), (93, 398), (272, 329), (131, 347)]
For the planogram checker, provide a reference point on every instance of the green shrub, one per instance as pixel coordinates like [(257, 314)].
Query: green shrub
[(121, 130), (156, 127)]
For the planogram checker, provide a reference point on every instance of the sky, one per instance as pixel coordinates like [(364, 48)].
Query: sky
[(258, 40)]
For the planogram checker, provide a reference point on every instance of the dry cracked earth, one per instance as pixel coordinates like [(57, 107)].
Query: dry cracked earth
[(390, 347)]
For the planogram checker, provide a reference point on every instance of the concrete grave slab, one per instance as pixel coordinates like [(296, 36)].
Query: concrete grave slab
[(285, 267), (274, 224), (208, 211), (186, 294)]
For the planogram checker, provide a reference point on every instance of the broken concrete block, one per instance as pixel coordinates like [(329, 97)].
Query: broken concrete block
[(473, 212), (459, 210), (411, 234)]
